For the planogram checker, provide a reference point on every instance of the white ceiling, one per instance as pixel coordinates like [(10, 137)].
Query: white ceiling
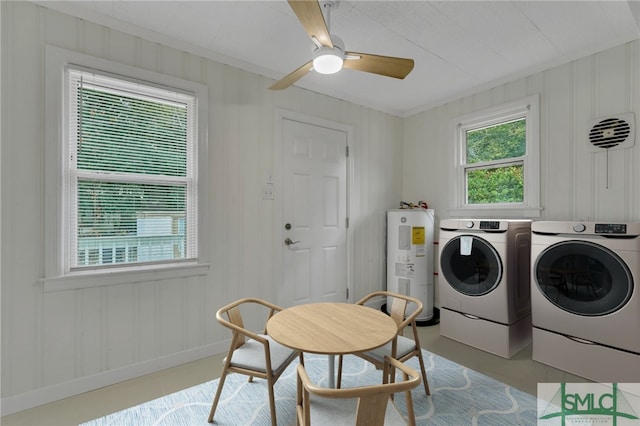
[(458, 46)]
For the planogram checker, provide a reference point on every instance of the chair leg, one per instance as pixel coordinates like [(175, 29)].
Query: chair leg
[(339, 381), (411, 415), (272, 403), (217, 397), (424, 374)]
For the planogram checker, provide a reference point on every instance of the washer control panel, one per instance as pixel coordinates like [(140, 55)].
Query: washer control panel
[(489, 224), (610, 228)]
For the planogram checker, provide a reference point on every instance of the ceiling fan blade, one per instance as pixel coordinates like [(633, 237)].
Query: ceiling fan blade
[(310, 16), (292, 77), (377, 64)]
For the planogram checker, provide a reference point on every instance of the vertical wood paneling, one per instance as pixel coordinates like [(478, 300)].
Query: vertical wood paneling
[(120, 338), (612, 96), (146, 321), (59, 338), (89, 327), (631, 80), (218, 289), (229, 120), (91, 39), (121, 48), (269, 235), (249, 117), (556, 112), (21, 143), (145, 56), (516, 89), (60, 30), (170, 318), (583, 198), (634, 105)]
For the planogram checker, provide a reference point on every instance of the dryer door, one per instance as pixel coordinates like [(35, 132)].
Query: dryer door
[(583, 278), (470, 265)]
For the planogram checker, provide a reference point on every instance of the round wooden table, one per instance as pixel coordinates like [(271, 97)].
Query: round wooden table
[(332, 329)]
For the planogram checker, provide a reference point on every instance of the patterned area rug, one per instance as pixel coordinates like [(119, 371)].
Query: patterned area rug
[(459, 396)]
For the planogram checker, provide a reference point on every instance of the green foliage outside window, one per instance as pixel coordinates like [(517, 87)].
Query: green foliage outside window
[(506, 140), (499, 185), (492, 146)]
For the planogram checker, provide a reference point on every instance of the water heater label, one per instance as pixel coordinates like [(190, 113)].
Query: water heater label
[(418, 236), (405, 269), (404, 237)]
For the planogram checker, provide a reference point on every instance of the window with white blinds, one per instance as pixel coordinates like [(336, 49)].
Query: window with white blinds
[(131, 180)]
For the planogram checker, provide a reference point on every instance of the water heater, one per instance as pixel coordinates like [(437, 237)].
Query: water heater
[(410, 256)]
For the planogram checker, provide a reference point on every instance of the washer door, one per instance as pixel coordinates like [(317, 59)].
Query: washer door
[(470, 265), (583, 278)]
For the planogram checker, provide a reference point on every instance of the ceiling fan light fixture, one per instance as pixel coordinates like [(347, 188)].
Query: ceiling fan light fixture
[(327, 60)]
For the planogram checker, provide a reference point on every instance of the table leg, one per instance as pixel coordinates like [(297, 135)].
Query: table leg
[(331, 382)]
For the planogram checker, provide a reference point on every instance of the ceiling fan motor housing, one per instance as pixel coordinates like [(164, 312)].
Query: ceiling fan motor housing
[(329, 60), (613, 132)]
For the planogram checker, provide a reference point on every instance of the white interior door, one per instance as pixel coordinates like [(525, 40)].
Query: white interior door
[(314, 213)]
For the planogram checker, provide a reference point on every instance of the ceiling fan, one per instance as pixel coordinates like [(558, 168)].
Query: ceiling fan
[(329, 55)]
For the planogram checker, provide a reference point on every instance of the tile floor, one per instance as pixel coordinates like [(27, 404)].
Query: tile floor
[(520, 371)]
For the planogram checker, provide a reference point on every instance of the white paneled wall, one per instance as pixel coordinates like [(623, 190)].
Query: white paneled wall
[(574, 183), (56, 344)]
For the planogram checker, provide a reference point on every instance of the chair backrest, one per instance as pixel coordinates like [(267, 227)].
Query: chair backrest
[(373, 400), (234, 319), (398, 308)]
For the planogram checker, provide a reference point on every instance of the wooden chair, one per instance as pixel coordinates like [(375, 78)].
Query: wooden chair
[(360, 406), (253, 354), (401, 348)]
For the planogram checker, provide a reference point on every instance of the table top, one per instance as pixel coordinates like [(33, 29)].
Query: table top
[(331, 328)]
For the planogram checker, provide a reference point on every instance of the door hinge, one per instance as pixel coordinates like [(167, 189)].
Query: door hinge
[(347, 150), (346, 222), (347, 293)]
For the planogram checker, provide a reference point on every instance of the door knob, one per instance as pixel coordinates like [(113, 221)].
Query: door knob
[(288, 241)]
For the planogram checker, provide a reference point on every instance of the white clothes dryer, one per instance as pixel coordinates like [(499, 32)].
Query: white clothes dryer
[(585, 299), (483, 283)]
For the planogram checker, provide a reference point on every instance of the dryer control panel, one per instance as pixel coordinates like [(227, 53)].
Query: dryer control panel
[(490, 224), (610, 228)]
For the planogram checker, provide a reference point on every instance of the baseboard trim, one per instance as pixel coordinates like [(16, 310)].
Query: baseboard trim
[(52, 393)]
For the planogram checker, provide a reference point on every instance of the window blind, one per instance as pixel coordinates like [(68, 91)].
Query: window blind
[(132, 178)]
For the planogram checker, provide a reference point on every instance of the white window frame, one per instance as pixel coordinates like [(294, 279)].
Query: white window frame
[(59, 275), (527, 108)]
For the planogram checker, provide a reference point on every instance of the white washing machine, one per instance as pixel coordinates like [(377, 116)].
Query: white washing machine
[(483, 283), (585, 298)]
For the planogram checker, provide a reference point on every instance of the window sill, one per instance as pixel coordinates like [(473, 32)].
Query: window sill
[(89, 279), (497, 212)]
